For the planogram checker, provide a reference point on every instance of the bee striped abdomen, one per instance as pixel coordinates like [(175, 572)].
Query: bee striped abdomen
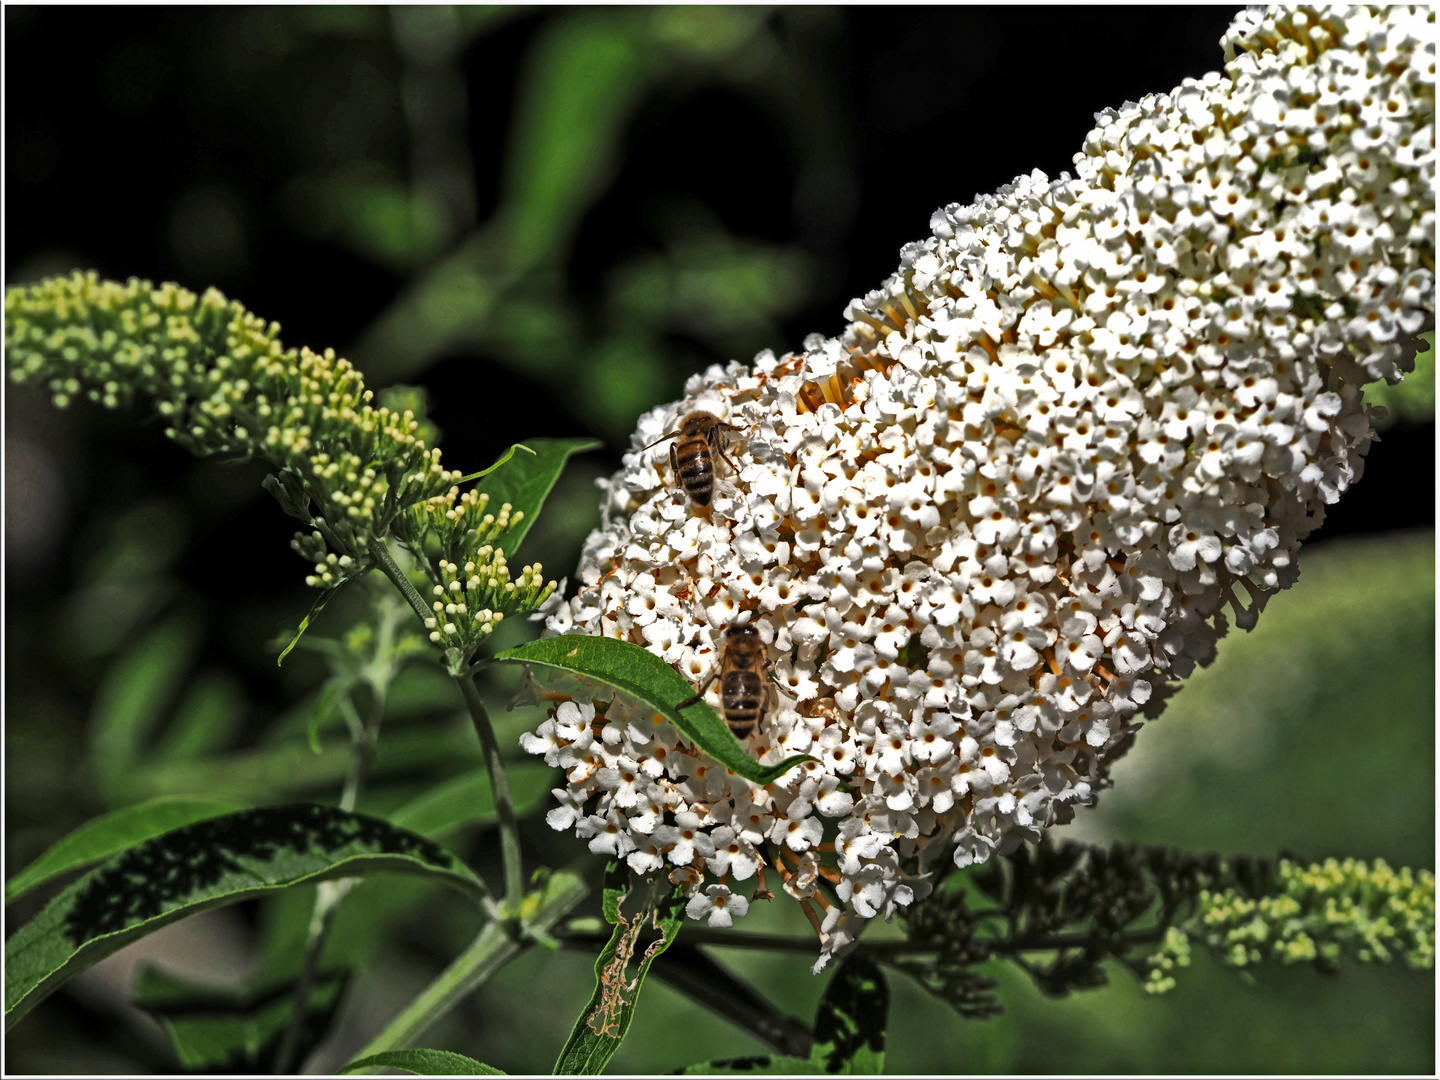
[(695, 470), (742, 700)]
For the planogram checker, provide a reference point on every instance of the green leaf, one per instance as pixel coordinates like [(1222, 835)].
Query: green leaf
[(601, 1027), (217, 1029), (102, 837), (137, 689), (646, 677), (501, 461), (526, 482), (325, 704), (613, 889), (467, 799), (1413, 399), (287, 770), (760, 1065), (850, 1022), (220, 861), (320, 602), (206, 721), (424, 1063)]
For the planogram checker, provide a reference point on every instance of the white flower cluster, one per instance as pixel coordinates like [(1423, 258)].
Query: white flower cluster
[(1007, 508)]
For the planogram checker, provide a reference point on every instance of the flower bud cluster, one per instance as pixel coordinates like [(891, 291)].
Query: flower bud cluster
[(1319, 914), (469, 603), (225, 384), (1006, 510)]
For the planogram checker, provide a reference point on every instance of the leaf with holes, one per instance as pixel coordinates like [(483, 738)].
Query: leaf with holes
[(647, 678), (602, 1025), (219, 861)]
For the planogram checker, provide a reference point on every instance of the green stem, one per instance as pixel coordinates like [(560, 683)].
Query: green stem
[(327, 902), (500, 788), (329, 894), (729, 939), (487, 954), (386, 562)]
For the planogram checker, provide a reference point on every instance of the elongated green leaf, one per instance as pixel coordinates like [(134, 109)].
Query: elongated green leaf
[(525, 482), (467, 799), (310, 616), (602, 1025), (646, 677), (501, 460), (138, 687), (204, 865), (290, 769), (206, 721), (850, 1022), (760, 1065), (102, 837), (424, 1063), (215, 1029), (325, 704)]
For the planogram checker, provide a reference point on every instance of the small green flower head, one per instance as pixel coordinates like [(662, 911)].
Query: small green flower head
[(471, 583), (1317, 914), (224, 384)]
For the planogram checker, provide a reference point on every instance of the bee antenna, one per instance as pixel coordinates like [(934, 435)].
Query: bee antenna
[(657, 442)]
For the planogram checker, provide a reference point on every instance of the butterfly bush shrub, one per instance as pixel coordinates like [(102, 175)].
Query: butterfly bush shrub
[(982, 533), (1080, 431)]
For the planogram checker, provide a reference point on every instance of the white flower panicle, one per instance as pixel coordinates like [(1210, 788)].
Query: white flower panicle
[(1008, 508)]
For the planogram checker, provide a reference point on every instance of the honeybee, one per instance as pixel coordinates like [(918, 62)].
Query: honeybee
[(699, 434), (746, 693)]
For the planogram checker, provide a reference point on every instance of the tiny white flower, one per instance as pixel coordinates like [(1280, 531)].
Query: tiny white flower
[(718, 905), (1079, 434)]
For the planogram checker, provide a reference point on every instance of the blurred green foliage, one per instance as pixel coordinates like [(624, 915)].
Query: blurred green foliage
[(1413, 400), (479, 210)]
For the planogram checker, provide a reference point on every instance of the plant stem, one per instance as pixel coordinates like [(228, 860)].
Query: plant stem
[(327, 902), (500, 788), (691, 971), (329, 893), (386, 562), (701, 935), (487, 954)]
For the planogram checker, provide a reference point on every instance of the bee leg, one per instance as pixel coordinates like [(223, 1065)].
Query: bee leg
[(674, 463), (717, 445), (703, 687)]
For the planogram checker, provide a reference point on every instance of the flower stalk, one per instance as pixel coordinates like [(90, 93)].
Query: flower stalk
[(492, 949), (504, 807)]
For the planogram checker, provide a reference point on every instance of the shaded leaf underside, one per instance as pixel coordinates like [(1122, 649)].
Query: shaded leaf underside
[(207, 864)]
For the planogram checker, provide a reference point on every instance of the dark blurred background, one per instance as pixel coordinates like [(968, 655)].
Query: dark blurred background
[(549, 218)]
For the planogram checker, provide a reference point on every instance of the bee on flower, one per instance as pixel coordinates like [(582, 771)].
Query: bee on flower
[(1080, 431)]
